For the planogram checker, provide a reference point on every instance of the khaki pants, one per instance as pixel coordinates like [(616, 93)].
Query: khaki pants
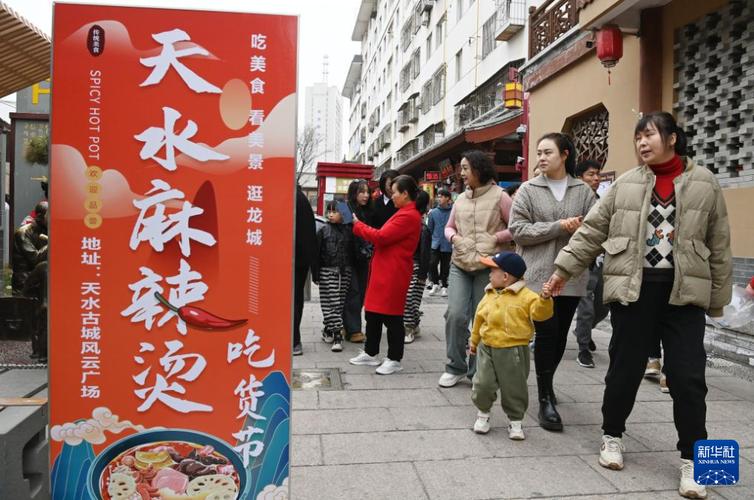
[(506, 369)]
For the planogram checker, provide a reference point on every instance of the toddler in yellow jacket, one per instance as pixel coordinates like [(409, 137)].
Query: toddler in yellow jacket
[(500, 338)]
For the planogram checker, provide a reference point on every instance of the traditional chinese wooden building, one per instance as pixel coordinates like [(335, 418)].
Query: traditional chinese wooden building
[(594, 65)]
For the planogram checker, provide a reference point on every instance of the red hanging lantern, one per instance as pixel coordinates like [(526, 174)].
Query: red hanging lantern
[(609, 46)]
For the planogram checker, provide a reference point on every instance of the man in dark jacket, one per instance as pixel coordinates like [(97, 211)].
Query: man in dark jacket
[(383, 206), (29, 241), (305, 259), (591, 309)]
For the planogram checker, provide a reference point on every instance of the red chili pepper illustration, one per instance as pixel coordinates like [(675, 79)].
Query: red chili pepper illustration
[(198, 317)]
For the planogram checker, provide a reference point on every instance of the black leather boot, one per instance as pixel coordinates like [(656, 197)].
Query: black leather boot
[(549, 418)]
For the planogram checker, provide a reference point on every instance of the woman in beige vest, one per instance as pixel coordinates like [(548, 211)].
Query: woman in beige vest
[(477, 227)]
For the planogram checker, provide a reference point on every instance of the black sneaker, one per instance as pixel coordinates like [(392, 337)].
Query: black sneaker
[(592, 345), (327, 337), (337, 345), (585, 359), (298, 350)]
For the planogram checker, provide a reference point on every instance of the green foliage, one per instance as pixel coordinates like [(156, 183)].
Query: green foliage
[(38, 150)]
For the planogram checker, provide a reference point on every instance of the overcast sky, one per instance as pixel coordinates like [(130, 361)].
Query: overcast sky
[(325, 29)]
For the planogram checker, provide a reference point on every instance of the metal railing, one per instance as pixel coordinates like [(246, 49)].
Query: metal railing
[(511, 18)]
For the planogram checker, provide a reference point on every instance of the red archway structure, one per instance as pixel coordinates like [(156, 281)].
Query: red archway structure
[(333, 180)]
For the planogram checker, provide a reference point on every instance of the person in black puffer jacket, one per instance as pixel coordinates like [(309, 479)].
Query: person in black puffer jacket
[(412, 314), (306, 258), (334, 274)]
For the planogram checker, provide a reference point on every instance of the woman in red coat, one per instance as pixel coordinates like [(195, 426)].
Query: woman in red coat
[(389, 276)]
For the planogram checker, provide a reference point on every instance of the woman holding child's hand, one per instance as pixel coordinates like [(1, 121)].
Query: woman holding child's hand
[(668, 260)]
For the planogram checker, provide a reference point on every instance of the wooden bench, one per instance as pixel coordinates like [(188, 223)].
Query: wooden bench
[(24, 450)]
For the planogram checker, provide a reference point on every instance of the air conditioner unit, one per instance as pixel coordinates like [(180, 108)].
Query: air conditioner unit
[(425, 18)]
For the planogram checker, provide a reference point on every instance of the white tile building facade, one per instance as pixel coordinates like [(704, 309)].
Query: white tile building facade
[(421, 62)]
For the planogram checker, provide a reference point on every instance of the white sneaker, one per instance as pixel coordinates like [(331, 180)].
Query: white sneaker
[(444, 292), (688, 487), (449, 379), (482, 424), (364, 359), (664, 384), (611, 453), (409, 337), (653, 368), (389, 367), (337, 344), (435, 289), (515, 432)]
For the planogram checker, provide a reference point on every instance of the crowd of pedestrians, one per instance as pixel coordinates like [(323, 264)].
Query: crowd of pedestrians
[(517, 265)]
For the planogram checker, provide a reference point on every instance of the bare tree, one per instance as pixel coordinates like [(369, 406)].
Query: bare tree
[(308, 148)]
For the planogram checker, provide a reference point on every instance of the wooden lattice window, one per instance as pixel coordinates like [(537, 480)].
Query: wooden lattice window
[(590, 132)]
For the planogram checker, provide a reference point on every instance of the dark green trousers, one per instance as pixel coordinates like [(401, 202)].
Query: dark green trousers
[(506, 369)]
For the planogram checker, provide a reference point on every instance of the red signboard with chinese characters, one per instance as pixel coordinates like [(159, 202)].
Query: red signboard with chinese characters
[(172, 195), (432, 176)]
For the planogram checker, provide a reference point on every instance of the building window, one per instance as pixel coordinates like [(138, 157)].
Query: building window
[(590, 133), (407, 33), (459, 10), (415, 63), (438, 85), (426, 97), (439, 32), (428, 48), (459, 62), (488, 35)]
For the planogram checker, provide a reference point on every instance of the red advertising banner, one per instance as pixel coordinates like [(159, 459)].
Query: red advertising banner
[(172, 195)]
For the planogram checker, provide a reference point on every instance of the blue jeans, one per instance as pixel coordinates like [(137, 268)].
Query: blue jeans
[(465, 291)]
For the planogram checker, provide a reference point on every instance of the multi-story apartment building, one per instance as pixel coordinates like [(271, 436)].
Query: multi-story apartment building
[(324, 113), (430, 73)]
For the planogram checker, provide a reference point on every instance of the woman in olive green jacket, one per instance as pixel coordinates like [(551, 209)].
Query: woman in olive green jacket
[(664, 229)]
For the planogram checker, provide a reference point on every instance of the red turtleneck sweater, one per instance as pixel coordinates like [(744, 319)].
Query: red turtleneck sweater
[(665, 173)]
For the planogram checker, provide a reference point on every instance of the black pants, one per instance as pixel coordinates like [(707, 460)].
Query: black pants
[(655, 347), (552, 335), (299, 280), (443, 259), (395, 334), (355, 299), (681, 329)]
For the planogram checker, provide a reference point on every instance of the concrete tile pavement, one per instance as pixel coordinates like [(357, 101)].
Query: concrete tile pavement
[(401, 436)]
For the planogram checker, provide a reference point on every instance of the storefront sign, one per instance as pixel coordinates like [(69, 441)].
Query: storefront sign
[(341, 185), (432, 176), (170, 312), (447, 171)]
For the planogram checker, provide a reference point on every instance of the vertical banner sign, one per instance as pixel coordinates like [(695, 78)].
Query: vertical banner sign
[(172, 195)]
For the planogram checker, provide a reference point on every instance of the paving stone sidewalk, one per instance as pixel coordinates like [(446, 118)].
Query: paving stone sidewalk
[(403, 437)]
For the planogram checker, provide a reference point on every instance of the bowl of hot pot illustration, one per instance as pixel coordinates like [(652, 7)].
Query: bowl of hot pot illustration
[(170, 464)]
